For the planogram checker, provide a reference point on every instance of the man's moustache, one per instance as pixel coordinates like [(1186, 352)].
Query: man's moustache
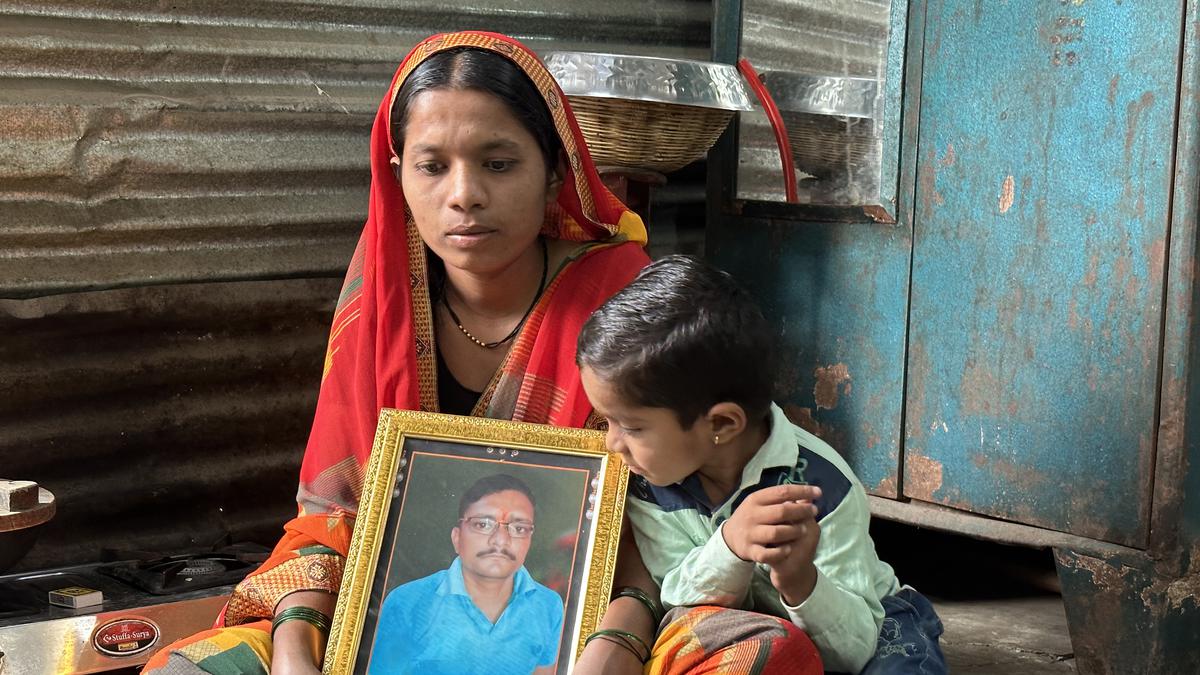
[(501, 551)]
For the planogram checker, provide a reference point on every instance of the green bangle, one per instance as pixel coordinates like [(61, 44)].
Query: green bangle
[(623, 644), (300, 613), (643, 597), (625, 635)]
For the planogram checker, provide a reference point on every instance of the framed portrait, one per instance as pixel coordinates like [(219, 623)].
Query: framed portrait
[(480, 546)]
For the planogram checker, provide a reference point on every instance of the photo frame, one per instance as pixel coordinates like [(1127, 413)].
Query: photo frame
[(463, 506)]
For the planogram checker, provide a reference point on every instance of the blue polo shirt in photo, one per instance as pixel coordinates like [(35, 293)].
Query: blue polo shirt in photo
[(430, 626)]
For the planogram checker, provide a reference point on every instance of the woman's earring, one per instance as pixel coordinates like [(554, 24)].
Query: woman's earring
[(716, 439)]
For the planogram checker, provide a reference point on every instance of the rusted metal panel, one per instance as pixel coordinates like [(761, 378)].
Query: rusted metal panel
[(1043, 194), (1176, 515), (152, 144), (839, 295), (1126, 616), (937, 517), (161, 417)]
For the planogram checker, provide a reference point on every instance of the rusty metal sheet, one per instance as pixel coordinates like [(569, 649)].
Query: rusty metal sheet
[(1043, 194), (1126, 615), (839, 295), (161, 417), (1176, 516), (164, 143)]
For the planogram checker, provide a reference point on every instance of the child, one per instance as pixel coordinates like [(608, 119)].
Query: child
[(731, 504)]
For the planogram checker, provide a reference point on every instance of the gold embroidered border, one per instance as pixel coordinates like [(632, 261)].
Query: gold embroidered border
[(257, 595), (422, 318)]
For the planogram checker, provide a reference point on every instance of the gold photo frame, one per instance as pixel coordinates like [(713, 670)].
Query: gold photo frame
[(419, 539)]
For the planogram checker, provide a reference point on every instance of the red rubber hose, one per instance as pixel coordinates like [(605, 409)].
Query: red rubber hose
[(777, 125)]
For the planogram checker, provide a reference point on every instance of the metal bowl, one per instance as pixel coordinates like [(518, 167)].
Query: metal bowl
[(648, 78)]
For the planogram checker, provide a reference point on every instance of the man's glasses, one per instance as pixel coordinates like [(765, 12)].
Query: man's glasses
[(486, 525)]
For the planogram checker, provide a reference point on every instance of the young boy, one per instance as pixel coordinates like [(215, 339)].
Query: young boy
[(731, 504)]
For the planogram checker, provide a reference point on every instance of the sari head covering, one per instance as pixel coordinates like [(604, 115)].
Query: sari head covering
[(381, 349)]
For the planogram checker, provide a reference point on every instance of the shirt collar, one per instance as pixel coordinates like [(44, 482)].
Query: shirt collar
[(779, 450), (453, 584)]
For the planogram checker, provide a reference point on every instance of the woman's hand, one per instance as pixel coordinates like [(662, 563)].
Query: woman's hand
[(298, 647), (602, 657)]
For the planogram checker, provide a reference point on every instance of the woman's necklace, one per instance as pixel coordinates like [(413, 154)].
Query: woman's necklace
[(516, 328)]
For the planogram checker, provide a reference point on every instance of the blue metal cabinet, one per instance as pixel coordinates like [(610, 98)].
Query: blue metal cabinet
[(1043, 192), (1014, 358)]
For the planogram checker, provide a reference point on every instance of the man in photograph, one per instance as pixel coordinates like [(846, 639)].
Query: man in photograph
[(483, 614)]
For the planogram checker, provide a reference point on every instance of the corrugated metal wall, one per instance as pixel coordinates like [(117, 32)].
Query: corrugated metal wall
[(151, 150), (847, 38)]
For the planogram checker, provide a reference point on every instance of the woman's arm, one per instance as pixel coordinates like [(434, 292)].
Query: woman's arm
[(602, 657), (298, 646)]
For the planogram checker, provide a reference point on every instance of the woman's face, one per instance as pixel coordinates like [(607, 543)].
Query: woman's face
[(474, 178)]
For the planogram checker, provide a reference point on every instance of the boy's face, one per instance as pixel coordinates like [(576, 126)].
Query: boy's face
[(650, 440)]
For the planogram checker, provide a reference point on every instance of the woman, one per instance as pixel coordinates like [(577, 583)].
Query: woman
[(490, 239)]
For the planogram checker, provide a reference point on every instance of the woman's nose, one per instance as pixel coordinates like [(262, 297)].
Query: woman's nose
[(466, 189)]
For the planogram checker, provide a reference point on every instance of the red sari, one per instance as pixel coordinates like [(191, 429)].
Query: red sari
[(381, 346)]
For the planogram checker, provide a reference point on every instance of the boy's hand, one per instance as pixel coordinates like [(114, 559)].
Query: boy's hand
[(769, 519), (794, 575), (777, 527)]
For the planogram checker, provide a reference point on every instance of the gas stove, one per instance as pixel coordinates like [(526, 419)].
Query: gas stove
[(144, 601)]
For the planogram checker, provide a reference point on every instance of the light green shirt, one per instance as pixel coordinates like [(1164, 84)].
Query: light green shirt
[(679, 537)]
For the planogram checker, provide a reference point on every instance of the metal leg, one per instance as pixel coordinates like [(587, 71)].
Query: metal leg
[(1127, 616)]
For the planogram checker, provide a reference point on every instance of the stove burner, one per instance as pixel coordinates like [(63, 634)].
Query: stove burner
[(199, 567), (165, 575)]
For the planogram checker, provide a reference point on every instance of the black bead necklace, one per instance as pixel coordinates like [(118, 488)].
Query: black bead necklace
[(517, 328)]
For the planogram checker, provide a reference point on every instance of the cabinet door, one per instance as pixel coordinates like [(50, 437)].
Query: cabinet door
[(1042, 201)]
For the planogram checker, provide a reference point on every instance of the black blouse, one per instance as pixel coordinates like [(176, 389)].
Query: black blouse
[(453, 398)]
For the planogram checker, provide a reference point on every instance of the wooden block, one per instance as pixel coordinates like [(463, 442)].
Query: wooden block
[(18, 495)]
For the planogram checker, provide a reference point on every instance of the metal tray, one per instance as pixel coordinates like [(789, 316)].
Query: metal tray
[(648, 78)]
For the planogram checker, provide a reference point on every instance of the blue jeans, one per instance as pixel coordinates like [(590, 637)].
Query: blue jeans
[(908, 640)]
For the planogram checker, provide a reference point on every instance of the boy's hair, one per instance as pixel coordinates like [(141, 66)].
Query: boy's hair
[(683, 336)]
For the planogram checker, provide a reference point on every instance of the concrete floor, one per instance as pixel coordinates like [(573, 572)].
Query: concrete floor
[(1012, 635), (1000, 605)]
